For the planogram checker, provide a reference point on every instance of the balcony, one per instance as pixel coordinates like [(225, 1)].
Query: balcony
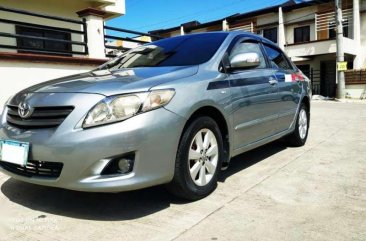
[(32, 36), (42, 35), (322, 37)]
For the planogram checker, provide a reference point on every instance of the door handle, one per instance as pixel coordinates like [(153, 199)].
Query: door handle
[(272, 81)]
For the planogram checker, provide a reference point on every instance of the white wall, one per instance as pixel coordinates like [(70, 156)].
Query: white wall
[(267, 19), (304, 13), (289, 31), (308, 49), (117, 7), (356, 91), (319, 48), (363, 37), (15, 76)]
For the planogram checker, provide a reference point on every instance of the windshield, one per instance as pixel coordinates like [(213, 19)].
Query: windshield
[(177, 51)]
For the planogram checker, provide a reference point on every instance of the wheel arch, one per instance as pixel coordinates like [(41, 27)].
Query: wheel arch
[(306, 101), (219, 118)]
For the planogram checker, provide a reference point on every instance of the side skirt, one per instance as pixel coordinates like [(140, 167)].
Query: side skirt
[(261, 142)]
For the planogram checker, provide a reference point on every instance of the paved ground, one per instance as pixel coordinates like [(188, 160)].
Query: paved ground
[(317, 192)]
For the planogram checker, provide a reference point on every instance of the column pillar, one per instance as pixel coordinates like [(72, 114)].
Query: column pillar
[(281, 30), (95, 31), (182, 30), (357, 64), (225, 26)]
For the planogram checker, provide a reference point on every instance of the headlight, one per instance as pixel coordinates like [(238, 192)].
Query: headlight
[(118, 108), (157, 98)]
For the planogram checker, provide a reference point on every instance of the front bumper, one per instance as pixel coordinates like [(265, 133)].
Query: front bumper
[(153, 137)]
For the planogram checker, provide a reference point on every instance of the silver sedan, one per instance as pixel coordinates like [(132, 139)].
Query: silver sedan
[(172, 112)]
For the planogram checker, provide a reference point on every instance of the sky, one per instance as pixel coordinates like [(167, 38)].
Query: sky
[(147, 15)]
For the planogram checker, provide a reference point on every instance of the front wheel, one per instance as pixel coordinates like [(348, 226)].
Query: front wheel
[(299, 136), (198, 161)]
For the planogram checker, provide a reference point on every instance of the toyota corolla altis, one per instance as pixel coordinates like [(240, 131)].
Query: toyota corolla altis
[(172, 112)]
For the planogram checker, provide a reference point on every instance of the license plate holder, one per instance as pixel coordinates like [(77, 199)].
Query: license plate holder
[(14, 152)]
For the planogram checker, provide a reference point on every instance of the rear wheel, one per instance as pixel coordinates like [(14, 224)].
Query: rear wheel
[(300, 134), (198, 160)]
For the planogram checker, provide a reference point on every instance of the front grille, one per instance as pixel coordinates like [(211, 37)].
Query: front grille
[(42, 117), (35, 169)]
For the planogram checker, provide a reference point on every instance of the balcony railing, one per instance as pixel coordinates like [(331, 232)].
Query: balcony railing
[(325, 24), (28, 37), (118, 40), (249, 27)]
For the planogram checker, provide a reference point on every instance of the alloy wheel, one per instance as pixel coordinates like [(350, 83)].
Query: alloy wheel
[(203, 157), (303, 124)]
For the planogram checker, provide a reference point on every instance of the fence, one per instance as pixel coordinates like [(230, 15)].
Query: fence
[(118, 43), (315, 78), (354, 77), (44, 39)]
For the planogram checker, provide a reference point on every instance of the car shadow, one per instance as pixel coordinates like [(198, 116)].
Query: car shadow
[(252, 157), (115, 206)]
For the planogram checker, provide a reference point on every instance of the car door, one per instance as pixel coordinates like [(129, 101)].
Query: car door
[(254, 96), (289, 87)]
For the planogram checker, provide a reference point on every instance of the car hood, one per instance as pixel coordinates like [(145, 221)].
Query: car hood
[(116, 82)]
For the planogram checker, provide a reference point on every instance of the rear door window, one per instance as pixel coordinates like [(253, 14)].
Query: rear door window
[(277, 59)]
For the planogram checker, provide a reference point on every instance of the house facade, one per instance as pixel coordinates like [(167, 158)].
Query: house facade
[(42, 40), (306, 32)]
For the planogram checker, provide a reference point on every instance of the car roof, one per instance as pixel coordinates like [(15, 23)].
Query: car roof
[(233, 34)]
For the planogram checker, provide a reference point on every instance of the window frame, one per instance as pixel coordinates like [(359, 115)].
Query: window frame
[(307, 27), (271, 29), (234, 43), (292, 67), (21, 43)]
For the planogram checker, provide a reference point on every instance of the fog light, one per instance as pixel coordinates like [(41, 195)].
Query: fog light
[(124, 165), (119, 165)]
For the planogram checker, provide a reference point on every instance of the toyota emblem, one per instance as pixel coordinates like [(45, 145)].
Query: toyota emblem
[(24, 110)]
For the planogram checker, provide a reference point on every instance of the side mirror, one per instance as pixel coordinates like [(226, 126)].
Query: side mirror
[(245, 60)]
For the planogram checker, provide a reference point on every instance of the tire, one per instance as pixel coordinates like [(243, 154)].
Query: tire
[(299, 136), (197, 165)]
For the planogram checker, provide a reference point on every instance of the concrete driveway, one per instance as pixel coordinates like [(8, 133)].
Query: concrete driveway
[(317, 192)]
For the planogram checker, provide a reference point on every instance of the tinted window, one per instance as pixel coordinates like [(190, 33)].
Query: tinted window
[(302, 34), (270, 34), (178, 51), (249, 47), (276, 58)]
